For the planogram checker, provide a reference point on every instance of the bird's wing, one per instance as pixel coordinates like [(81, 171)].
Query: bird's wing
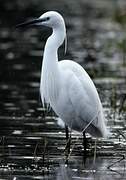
[(89, 90), (83, 95)]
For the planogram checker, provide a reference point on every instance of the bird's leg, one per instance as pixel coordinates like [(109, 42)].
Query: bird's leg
[(85, 146), (84, 141), (68, 140), (67, 132)]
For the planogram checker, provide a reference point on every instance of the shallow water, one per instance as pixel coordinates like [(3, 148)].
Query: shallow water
[(31, 143)]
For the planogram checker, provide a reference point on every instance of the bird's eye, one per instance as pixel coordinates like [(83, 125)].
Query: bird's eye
[(48, 18)]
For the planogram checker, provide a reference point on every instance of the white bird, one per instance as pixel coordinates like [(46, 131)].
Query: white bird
[(65, 85)]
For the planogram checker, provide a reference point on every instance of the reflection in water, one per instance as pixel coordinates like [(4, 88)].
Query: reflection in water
[(31, 143)]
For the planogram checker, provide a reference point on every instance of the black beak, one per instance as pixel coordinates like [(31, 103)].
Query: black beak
[(29, 23)]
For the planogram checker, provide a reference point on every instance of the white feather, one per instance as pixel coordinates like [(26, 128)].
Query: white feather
[(67, 87)]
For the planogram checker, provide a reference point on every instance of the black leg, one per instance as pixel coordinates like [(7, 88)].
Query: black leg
[(84, 141), (67, 133), (68, 139)]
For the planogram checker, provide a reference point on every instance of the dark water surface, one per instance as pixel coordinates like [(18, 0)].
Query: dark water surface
[(31, 143)]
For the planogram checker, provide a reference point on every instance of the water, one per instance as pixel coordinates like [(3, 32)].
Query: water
[(31, 143)]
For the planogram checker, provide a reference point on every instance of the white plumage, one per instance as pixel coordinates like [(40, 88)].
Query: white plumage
[(66, 86)]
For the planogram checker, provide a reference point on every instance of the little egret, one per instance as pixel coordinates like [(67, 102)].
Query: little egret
[(65, 85)]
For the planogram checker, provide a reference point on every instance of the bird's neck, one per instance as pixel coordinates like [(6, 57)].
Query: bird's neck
[(50, 57), (50, 69)]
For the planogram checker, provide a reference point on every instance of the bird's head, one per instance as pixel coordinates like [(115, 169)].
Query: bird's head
[(50, 19)]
